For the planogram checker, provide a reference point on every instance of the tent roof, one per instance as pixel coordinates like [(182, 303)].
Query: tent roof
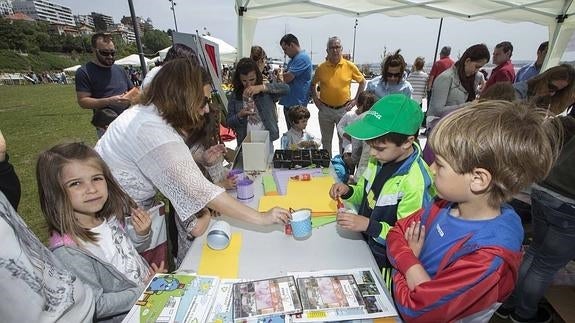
[(542, 12), (133, 59), (557, 15)]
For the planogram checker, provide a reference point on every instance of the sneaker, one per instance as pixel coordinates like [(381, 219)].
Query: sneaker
[(542, 316), (503, 312)]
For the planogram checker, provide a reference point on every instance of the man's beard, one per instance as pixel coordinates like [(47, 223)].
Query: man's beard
[(105, 61)]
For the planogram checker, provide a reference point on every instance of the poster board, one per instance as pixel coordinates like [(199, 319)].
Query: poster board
[(209, 55)]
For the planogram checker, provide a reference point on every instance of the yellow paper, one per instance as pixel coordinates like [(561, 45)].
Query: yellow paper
[(223, 263), (385, 319), (313, 194)]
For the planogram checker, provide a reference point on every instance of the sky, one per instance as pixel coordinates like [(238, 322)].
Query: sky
[(415, 36)]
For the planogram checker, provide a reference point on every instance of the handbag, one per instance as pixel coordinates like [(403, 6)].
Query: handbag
[(103, 117)]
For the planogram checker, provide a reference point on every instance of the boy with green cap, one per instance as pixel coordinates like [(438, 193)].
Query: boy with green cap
[(396, 182)]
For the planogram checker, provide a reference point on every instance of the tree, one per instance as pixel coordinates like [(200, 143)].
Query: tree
[(155, 40)]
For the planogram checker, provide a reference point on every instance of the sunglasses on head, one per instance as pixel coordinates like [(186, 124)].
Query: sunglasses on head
[(104, 52), (393, 74)]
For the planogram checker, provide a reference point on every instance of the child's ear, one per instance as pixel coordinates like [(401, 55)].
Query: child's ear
[(408, 143), (480, 180)]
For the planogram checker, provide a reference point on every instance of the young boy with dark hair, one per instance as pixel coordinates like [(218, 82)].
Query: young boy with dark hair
[(458, 259), (396, 182), (296, 137)]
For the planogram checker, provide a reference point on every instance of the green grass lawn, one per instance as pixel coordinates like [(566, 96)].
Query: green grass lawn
[(34, 118)]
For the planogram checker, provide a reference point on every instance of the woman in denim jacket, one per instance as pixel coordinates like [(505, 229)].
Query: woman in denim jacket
[(252, 105)]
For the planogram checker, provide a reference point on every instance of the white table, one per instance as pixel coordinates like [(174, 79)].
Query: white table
[(267, 251)]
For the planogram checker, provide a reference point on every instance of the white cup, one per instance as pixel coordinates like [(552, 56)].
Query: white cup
[(219, 235)]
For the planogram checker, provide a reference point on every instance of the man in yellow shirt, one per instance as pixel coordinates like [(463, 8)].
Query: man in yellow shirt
[(334, 78)]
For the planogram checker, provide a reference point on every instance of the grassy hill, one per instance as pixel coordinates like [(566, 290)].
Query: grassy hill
[(43, 61), (32, 119)]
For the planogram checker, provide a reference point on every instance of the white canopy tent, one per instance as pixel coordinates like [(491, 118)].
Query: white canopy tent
[(228, 53), (72, 69), (557, 15), (133, 59)]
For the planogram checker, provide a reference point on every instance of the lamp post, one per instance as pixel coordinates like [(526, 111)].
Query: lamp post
[(173, 7), (138, 40), (354, 33)]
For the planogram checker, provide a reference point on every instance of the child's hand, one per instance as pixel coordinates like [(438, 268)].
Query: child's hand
[(337, 190), (141, 221), (213, 154), (415, 235), (156, 270), (352, 222), (229, 183)]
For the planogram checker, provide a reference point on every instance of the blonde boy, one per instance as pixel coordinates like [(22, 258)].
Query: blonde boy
[(459, 258)]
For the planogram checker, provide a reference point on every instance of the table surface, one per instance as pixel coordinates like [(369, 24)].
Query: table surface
[(269, 252)]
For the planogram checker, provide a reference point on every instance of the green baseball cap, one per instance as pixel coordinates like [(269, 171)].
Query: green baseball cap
[(393, 113)]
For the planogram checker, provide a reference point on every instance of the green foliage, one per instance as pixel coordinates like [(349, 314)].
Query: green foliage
[(155, 40), (34, 118), (39, 62)]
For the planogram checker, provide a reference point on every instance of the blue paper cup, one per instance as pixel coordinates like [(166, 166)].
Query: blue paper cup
[(301, 223)]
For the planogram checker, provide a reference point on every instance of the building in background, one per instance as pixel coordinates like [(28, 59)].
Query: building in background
[(86, 20), (6, 8), (102, 22), (45, 11), (144, 25), (124, 31)]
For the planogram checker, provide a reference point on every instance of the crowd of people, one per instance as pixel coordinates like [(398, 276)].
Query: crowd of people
[(436, 218)]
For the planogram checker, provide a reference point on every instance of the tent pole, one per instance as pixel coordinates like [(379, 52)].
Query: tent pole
[(354, 33), (136, 26), (437, 43)]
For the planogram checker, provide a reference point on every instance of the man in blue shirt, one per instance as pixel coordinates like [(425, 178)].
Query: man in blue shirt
[(101, 85), (297, 75), (530, 70)]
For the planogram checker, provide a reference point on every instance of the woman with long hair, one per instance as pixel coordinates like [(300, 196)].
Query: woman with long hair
[(252, 105), (552, 89), (147, 152), (457, 85)]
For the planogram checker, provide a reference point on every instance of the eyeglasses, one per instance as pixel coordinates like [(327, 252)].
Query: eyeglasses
[(390, 75), (104, 52), (334, 48), (207, 101)]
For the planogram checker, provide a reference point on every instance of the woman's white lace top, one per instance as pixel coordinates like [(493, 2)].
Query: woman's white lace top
[(146, 154)]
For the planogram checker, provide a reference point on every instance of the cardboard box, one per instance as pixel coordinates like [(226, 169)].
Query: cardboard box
[(256, 150)]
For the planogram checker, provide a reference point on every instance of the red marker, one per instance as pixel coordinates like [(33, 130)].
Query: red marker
[(287, 226), (340, 206)]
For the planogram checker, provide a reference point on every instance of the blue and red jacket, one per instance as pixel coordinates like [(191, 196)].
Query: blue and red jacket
[(472, 264)]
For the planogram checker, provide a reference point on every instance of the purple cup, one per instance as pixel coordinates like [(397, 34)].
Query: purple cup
[(237, 173), (245, 190)]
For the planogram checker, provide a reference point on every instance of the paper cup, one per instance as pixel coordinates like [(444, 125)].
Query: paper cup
[(237, 173), (301, 223), (219, 235), (245, 190)]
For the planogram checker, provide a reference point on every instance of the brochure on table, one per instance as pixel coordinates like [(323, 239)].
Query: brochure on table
[(177, 297), (329, 295), (376, 304)]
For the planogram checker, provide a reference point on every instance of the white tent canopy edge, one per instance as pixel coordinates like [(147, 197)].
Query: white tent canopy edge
[(557, 15)]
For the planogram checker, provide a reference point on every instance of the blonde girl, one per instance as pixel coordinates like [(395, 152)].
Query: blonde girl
[(86, 213)]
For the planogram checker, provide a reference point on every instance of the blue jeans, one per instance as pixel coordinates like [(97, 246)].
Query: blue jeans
[(551, 249)]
